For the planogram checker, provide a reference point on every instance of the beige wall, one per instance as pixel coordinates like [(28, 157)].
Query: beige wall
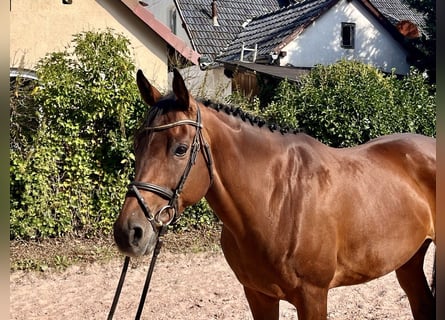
[(38, 27)]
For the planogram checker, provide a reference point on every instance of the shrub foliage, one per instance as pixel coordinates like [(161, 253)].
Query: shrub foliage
[(348, 103), (69, 174), (72, 176)]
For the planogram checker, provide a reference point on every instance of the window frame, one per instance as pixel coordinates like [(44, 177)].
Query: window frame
[(173, 20), (348, 28)]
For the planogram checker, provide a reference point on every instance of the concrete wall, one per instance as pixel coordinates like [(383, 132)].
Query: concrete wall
[(320, 43), (163, 11), (38, 27), (210, 84)]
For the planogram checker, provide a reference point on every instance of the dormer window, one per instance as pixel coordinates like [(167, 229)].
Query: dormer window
[(347, 35)]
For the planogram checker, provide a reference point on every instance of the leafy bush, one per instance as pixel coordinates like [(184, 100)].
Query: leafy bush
[(73, 174), (348, 103), (23, 116), (69, 174), (195, 217)]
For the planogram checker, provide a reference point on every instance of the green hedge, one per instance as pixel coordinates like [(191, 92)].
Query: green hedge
[(73, 174), (71, 153), (348, 103)]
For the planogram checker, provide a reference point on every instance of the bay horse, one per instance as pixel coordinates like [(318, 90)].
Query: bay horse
[(299, 217)]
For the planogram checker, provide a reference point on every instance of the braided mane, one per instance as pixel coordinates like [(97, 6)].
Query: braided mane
[(245, 116), (235, 111)]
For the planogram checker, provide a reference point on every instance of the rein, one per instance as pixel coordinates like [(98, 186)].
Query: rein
[(160, 227)]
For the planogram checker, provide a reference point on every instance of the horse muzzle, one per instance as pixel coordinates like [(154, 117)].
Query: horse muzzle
[(136, 236)]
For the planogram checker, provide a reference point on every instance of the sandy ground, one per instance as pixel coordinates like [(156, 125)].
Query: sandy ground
[(184, 286)]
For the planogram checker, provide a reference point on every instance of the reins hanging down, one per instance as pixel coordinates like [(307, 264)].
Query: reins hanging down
[(158, 225), (156, 251)]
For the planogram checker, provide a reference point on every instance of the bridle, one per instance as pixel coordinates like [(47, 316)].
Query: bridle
[(171, 195)]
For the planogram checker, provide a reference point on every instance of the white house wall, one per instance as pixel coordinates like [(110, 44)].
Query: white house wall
[(320, 43)]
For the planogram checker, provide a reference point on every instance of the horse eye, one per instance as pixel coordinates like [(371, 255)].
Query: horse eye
[(181, 150)]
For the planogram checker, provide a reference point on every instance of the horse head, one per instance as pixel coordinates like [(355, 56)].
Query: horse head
[(170, 174)]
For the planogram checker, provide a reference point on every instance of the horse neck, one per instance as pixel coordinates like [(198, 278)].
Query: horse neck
[(242, 156)]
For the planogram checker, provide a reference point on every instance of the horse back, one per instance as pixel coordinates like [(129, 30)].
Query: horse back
[(412, 156)]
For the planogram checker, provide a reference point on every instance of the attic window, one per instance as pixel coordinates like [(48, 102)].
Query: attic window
[(347, 35)]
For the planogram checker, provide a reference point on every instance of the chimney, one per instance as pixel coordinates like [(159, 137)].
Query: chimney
[(214, 14)]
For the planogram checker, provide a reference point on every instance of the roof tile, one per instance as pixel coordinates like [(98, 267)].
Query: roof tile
[(209, 39)]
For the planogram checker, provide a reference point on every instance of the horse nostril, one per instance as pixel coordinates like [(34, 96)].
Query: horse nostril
[(136, 234)]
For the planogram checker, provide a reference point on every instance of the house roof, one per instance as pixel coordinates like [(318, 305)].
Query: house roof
[(209, 40), (164, 32), (398, 10), (274, 30), (269, 23)]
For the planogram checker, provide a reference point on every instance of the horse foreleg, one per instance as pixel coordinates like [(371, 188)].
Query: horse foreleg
[(412, 280), (311, 302), (262, 307)]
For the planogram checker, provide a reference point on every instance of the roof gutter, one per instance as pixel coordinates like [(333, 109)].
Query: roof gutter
[(22, 73)]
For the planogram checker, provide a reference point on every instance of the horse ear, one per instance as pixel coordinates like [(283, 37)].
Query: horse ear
[(148, 93), (180, 90)]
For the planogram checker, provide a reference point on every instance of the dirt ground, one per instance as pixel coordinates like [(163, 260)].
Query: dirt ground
[(184, 286)]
